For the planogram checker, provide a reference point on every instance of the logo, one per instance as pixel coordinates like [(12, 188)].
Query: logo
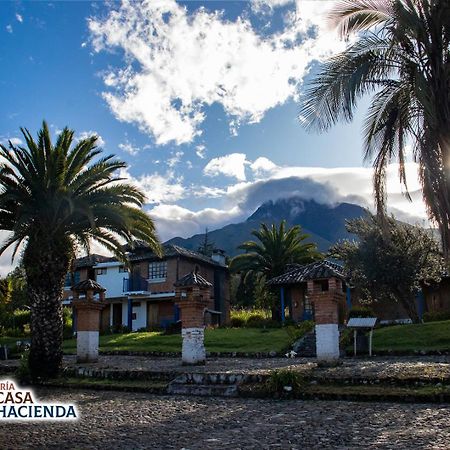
[(18, 404)]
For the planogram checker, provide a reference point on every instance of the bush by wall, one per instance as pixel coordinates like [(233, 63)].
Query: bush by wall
[(436, 316), (361, 311)]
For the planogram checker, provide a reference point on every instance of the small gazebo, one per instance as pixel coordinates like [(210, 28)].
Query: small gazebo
[(89, 288)]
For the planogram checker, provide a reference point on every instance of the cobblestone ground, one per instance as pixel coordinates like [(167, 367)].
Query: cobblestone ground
[(135, 421)]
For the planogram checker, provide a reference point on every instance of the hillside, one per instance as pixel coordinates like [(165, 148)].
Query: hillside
[(323, 223)]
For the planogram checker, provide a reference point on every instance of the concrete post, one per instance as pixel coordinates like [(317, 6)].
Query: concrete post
[(88, 325), (192, 309), (326, 296)]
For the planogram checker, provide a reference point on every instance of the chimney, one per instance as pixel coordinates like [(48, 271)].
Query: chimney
[(218, 256)]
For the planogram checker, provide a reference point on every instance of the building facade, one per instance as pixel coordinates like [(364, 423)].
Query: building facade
[(142, 295)]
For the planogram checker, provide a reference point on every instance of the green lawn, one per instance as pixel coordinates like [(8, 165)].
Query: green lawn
[(424, 336), (216, 340)]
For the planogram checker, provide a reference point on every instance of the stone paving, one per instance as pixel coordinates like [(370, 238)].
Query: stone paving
[(137, 421), (382, 367), (376, 368)]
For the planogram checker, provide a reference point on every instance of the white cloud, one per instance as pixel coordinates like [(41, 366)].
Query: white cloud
[(19, 18), (173, 220), (158, 188), (14, 141), (267, 6), (200, 151), (179, 62), (232, 165), (129, 148), (175, 159), (262, 165), (323, 185), (87, 134), (9, 28)]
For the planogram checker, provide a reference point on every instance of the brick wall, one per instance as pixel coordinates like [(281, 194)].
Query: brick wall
[(327, 299)]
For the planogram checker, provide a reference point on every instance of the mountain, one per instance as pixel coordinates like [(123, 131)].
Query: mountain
[(323, 223)]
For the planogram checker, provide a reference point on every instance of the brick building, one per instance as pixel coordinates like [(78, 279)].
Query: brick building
[(143, 295)]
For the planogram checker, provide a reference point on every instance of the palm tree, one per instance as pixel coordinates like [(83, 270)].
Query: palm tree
[(56, 198), (276, 249), (402, 58)]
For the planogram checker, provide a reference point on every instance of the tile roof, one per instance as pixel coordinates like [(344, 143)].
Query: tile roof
[(91, 260), (88, 285), (314, 271), (171, 250), (192, 279)]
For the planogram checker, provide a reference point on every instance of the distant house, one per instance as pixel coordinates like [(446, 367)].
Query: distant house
[(293, 287), (293, 282), (143, 296)]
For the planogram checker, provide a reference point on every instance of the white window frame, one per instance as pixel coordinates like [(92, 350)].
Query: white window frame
[(157, 271)]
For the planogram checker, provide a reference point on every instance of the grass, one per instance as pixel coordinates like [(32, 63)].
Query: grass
[(408, 338), (216, 340)]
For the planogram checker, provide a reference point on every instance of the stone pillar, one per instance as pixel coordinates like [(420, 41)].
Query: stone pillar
[(326, 296), (88, 325), (192, 308)]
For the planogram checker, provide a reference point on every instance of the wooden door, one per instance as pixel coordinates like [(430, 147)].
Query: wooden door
[(152, 314), (117, 314)]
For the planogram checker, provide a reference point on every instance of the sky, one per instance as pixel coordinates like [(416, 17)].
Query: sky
[(200, 98)]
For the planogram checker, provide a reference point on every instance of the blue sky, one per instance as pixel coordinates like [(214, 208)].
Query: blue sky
[(199, 98)]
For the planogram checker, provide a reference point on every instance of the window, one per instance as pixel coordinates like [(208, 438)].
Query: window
[(122, 269), (101, 271), (157, 271)]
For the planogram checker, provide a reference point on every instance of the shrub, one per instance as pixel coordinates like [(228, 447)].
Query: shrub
[(361, 311), (119, 329), (23, 371), (237, 322), (285, 378), (21, 318), (436, 316), (67, 323), (297, 331), (253, 318)]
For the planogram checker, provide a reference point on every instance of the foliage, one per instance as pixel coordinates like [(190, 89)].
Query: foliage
[(23, 371), (285, 381), (264, 297), (55, 198), (252, 318), (361, 311), (390, 260), (67, 323), (242, 287), (436, 316), (402, 58), (277, 247), (297, 331), (18, 283)]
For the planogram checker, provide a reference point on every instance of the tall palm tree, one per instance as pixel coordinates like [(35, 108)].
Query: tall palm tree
[(401, 58), (56, 198), (277, 248)]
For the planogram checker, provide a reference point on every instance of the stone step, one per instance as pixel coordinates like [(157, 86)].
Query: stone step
[(203, 390), (224, 379), (306, 346)]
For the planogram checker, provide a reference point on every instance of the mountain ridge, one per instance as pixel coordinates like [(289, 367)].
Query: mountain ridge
[(325, 224)]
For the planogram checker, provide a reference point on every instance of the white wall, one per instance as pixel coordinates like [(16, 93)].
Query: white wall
[(112, 281), (141, 314)]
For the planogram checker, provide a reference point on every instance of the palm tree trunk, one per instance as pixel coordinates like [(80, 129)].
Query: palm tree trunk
[(46, 267)]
